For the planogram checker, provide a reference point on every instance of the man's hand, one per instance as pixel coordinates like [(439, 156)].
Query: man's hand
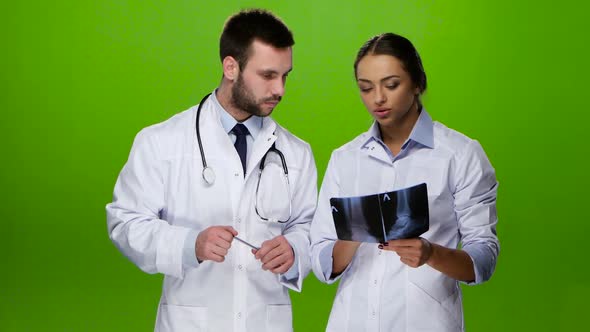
[(412, 252), (214, 242), (276, 255)]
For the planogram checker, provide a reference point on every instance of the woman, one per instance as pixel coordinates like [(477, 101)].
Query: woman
[(409, 284)]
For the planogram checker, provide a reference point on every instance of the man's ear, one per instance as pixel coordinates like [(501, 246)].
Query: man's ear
[(231, 68)]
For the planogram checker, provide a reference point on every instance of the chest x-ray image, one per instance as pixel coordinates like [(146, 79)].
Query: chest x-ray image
[(378, 218)]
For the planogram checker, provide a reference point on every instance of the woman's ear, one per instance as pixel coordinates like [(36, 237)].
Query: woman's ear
[(417, 91), (231, 68)]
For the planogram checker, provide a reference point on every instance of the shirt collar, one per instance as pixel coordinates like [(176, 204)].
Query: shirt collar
[(253, 123), (421, 133), (423, 130)]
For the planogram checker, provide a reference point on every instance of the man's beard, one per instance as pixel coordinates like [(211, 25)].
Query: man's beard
[(243, 99)]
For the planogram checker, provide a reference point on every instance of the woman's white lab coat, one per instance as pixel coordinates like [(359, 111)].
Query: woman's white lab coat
[(160, 196), (377, 292)]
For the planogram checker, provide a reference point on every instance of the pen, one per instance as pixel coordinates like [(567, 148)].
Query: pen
[(246, 243)]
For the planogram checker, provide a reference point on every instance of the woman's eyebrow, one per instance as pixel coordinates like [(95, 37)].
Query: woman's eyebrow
[(383, 79)]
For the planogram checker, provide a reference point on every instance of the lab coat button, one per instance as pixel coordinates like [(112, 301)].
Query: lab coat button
[(239, 315), (236, 174), (240, 267)]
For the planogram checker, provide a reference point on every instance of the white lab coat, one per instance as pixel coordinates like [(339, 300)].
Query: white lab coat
[(377, 292), (160, 196)]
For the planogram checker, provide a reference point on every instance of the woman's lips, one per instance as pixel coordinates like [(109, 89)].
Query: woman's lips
[(381, 112)]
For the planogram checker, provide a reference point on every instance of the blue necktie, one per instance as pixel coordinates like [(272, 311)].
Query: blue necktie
[(241, 132)]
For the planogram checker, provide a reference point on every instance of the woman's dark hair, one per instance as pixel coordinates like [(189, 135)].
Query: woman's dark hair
[(398, 47), (243, 28)]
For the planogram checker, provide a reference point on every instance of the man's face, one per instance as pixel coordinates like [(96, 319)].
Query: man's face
[(261, 84)]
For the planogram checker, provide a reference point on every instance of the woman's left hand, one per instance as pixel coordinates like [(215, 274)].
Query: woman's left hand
[(412, 252)]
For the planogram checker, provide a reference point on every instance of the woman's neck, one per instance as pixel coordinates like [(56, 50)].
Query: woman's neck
[(395, 134)]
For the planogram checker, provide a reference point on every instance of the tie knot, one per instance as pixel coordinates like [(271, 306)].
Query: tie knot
[(240, 130)]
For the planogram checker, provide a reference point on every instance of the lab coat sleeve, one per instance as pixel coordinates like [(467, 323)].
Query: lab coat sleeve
[(323, 233), (189, 257), (475, 207), (304, 200), (133, 217)]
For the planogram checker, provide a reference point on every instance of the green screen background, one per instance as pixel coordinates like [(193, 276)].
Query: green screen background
[(80, 78)]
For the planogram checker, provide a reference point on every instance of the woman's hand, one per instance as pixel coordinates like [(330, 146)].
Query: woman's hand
[(412, 252), (416, 252)]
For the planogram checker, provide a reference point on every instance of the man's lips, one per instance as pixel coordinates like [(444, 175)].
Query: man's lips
[(271, 102)]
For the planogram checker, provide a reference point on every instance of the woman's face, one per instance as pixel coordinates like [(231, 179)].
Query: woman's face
[(386, 89)]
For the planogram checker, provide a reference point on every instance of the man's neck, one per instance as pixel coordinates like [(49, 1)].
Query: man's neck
[(223, 95)]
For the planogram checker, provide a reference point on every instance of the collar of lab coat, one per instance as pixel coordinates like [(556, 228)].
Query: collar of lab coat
[(422, 133)]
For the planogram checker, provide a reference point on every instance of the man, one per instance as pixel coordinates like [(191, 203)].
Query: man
[(192, 189)]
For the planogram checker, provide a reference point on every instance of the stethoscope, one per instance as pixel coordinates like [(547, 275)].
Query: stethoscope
[(209, 175)]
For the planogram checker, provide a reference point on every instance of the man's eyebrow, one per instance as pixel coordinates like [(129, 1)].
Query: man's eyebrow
[(267, 71), (272, 71)]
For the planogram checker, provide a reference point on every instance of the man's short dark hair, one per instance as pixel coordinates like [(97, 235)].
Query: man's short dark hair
[(243, 28)]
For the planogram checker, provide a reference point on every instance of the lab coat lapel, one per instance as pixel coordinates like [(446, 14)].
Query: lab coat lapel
[(264, 141), (215, 140)]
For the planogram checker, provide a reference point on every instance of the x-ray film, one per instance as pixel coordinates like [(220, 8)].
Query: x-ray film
[(378, 218)]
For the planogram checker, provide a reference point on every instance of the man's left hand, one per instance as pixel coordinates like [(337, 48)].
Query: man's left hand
[(276, 255)]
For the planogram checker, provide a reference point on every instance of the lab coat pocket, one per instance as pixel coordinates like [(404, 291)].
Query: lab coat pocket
[(274, 194), (278, 318), (181, 318), (433, 171), (433, 294)]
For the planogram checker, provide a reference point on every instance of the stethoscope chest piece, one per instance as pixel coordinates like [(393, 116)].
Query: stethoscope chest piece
[(208, 175)]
